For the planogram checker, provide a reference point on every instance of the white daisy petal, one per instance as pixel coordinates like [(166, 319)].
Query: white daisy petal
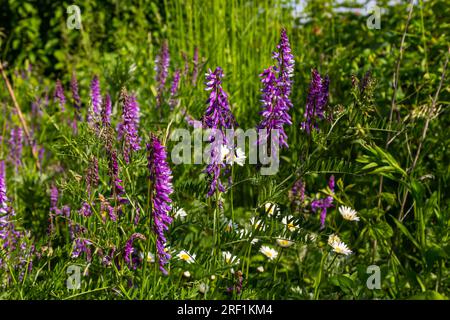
[(270, 253), (186, 256), (348, 213), (284, 243)]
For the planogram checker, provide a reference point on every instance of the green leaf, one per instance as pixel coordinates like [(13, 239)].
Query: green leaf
[(343, 282), (383, 230), (428, 295), (406, 232)]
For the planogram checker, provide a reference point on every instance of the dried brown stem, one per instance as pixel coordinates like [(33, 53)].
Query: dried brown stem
[(19, 113)]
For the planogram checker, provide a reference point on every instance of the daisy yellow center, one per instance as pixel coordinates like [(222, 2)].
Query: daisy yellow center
[(339, 249), (184, 256)]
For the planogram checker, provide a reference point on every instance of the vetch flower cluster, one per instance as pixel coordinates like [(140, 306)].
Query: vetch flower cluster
[(96, 99), (323, 204), (59, 95), (161, 178), (131, 257), (128, 128), (218, 116), (276, 90), (75, 93), (16, 146), (162, 70), (316, 102)]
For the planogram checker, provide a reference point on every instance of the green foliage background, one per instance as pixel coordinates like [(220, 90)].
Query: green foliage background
[(119, 41)]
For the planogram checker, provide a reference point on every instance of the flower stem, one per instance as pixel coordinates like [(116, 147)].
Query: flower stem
[(319, 276)]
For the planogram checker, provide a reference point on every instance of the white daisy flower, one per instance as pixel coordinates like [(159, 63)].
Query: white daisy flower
[(224, 152), (260, 269), (232, 156), (229, 258), (203, 287), (289, 223), (348, 213), (187, 274), (238, 157), (180, 213), (230, 225), (271, 209), (245, 234), (338, 246), (186, 256), (150, 257), (257, 224), (284, 243), (268, 252), (333, 238)]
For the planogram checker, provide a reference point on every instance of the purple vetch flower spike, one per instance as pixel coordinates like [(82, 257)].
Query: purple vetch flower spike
[(276, 90), (92, 177), (324, 203), (174, 89), (106, 111), (16, 146), (10, 238), (75, 229), (96, 97), (66, 211), (316, 102), (131, 256), (128, 128), (59, 95), (117, 189), (161, 177), (162, 70), (36, 107), (85, 210), (82, 246), (41, 155), (3, 196), (218, 116), (331, 183), (107, 209), (54, 197), (286, 63), (112, 213), (297, 193), (276, 106), (75, 93), (218, 113)]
